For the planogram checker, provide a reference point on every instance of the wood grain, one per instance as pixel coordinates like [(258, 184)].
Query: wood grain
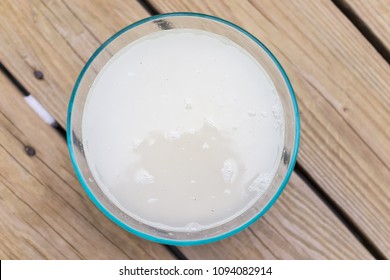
[(55, 37), (375, 14), (44, 212), (342, 85), (298, 226)]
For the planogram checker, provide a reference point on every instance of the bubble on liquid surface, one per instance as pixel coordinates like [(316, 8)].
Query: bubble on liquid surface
[(277, 112), (261, 183), (210, 121), (228, 171), (137, 142), (264, 114), (152, 200), (193, 227), (143, 177), (251, 113), (188, 103), (227, 191), (205, 145), (173, 134)]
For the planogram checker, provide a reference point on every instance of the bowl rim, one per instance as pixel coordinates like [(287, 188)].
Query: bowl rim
[(112, 217)]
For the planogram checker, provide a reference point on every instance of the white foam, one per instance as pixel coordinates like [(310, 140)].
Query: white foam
[(228, 171), (205, 145), (188, 103), (178, 111), (152, 200), (144, 177), (173, 134), (261, 183)]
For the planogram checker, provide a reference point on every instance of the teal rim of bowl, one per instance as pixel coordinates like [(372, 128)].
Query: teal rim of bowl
[(290, 169)]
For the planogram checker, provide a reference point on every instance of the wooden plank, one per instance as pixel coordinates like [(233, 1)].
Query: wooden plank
[(342, 89), (44, 212), (55, 37), (346, 247), (298, 226), (376, 16)]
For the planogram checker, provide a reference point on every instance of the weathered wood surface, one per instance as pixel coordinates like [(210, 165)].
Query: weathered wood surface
[(298, 226), (57, 37), (342, 85), (375, 14), (44, 212)]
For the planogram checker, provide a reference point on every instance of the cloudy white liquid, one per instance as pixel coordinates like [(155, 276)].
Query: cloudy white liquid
[(183, 130)]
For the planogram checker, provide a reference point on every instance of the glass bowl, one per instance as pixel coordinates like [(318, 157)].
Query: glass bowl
[(180, 21)]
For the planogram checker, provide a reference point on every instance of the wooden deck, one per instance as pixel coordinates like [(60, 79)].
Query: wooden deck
[(337, 204)]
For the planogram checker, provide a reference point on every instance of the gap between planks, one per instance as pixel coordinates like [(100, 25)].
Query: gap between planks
[(363, 28), (175, 252), (339, 212), (312, 159), (61, 128), (300, 171)]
